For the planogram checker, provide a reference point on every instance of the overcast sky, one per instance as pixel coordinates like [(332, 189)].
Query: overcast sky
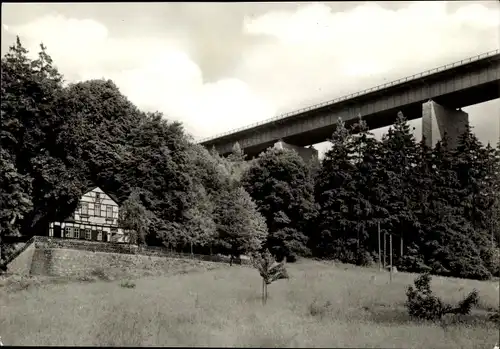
[(216, 67)]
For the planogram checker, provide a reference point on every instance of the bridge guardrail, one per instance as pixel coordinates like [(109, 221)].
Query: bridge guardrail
[(355, 94)]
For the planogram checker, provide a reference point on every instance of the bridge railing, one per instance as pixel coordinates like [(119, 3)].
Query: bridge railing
[(356, 94)]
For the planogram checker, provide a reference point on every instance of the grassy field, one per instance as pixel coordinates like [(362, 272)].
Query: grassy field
[(322, 305)]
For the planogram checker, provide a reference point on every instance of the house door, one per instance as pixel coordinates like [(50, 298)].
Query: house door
[(57, 231), (104, 236), (94, 235)]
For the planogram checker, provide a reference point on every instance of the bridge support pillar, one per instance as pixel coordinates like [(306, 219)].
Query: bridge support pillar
[(305, 153), (438, 121)]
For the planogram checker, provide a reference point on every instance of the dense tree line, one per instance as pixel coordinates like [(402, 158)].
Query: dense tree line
[(441, 205), (56, 139)]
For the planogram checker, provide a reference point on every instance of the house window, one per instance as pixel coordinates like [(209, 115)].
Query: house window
[(85, 208), (76, 232), (97, 196), (87, 233), (97, 208), (99, 235), (109, 211), (68, 232)]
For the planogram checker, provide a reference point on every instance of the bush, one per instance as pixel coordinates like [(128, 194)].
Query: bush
[(127, 284), (364, 259), (495, 317), (319, 309), (413, 261), (422, 304), (491, 258), (100, 274), (454, 249)]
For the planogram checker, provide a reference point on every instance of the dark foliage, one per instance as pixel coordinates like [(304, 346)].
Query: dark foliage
[(423, 304), (441, 205)]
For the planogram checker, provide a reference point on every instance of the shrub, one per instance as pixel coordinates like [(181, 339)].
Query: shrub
[(364, 259), (100, 274), (495, 317), (422, 304), (413, 261), (127, 284), (319, 309), (454, 249), (491, 258)]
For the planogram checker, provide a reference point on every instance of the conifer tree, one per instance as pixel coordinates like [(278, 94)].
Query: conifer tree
[(399, 157), (472, 169), (371, 182), (334, 190)]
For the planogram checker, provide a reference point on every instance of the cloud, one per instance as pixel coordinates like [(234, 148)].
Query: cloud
[(282, 58), (336, 53), (155, 73)]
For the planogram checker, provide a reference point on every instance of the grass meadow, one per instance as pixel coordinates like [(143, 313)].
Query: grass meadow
[(322, 305)]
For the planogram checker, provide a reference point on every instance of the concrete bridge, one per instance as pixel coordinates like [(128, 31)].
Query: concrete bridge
[(435, 95)]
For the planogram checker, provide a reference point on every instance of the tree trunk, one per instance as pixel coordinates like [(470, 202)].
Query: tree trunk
[(379, 248), (357, 242), (390, 258), (401, 253), (263, 291), (357, 247), (385, 249), (192, 255)]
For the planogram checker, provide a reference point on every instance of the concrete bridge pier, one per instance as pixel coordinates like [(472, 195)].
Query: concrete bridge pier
[(438, 120), (305, 153)]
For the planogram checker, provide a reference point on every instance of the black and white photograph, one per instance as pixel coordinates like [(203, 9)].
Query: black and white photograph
[(250, 174)]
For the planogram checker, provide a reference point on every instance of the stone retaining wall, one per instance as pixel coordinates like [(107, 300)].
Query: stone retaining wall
[(70, 262), (66, 257)]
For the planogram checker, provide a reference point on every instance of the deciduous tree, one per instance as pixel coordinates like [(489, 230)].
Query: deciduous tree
[(134, 218), (280, 183)]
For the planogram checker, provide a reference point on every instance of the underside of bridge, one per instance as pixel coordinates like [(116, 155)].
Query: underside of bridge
[(437, 121), (306, 153), (435, 98)]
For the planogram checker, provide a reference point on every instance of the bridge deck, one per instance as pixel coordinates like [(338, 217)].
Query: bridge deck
[(459, 84)]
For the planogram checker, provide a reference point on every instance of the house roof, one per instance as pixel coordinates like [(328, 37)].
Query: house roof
[(113, 196)]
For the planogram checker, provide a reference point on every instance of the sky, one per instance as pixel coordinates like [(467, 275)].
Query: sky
[(220, 66)]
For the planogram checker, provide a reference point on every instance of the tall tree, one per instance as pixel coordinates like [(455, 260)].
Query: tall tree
[(472, 167), (30, 121), (15, 199), (495, 208), (241, 228), (370, 197), (134, 218), (236, 163), (334, 191), (199, 227), (280, 183), (399, 157)]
